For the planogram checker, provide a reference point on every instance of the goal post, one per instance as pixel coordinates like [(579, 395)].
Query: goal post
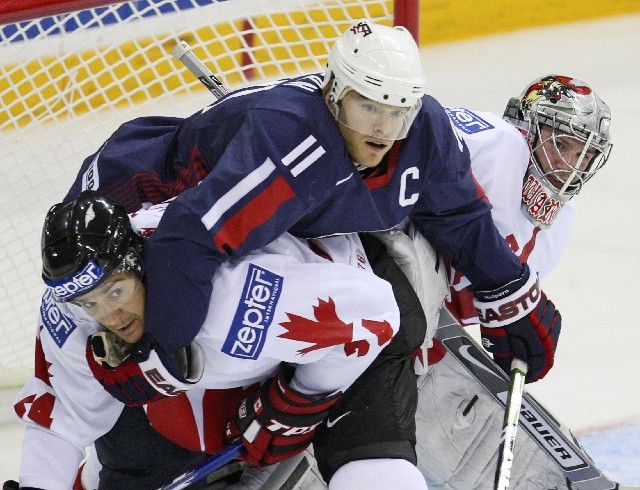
[(72, 71)]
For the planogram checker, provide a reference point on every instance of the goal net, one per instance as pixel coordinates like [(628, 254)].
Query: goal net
[(72, 71)]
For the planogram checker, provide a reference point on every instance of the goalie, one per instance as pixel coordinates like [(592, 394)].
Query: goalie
[(557, 140)]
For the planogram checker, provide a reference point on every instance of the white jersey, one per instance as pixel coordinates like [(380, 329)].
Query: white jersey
[(499, 159), (315, 303)]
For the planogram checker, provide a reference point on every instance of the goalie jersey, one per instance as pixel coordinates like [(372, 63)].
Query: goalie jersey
[(499, 159), (271, 159), (266, 311)]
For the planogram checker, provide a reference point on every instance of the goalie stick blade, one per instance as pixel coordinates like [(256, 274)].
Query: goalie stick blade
[(574, 463)]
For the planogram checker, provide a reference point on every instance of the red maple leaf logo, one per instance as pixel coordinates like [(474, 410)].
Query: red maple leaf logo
[(327, 330)]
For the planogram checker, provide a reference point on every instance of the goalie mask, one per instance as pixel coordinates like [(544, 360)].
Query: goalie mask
[(84, 242), (567, 127), (378, 70)]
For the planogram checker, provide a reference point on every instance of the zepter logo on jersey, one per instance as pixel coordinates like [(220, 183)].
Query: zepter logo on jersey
[(254, 314), (59, 325)]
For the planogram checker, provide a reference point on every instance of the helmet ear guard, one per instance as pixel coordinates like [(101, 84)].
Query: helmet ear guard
[(84, 241)]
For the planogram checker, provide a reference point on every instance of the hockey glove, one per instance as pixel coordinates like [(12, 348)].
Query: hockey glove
[(135, 374), (518, 320), (276, 422)]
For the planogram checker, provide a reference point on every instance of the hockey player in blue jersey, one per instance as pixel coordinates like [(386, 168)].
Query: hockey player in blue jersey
[(360, 149)]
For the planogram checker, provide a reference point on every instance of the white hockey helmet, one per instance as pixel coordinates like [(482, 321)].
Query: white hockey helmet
[(559, 113), (379, 62)]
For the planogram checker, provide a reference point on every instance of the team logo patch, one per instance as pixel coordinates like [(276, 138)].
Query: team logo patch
[(57, 323), (327, 329), (254, 314), (361, 27), (77, 284), (467, 121)]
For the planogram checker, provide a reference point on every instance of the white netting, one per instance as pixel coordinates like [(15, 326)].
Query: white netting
[(68, 81)]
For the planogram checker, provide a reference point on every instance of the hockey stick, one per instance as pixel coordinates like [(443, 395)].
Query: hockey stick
[(182, 52), (510, 424), (208, 466)]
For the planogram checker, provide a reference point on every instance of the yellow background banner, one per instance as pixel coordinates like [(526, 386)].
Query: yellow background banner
[(449, 20)]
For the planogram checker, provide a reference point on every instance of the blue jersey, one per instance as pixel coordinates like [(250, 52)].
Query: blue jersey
[(275, 161)]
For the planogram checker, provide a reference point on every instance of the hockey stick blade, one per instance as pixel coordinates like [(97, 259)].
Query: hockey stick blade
[(208, 466), (510, 424), (182, 52), (574, 463)]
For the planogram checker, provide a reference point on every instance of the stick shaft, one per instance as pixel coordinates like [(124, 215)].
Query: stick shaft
[(208, 466), (182, 52), (510, 424)]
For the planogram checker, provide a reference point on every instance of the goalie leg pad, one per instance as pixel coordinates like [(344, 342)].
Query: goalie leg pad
[(458, 429)]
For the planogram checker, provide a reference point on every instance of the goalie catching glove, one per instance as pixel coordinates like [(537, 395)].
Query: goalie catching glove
[(277, 422), (136, 374), (517, 320)]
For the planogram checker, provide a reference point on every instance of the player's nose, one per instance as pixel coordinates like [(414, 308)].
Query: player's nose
[(381, 126), (112, 319)]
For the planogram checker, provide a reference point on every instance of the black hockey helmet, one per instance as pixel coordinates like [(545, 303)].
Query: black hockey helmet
[(84, 241)]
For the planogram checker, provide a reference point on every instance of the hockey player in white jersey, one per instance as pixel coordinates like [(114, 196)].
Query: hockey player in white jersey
[(553, 139), (330, 329)]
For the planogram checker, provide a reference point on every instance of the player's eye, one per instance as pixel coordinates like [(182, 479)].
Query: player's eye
[(85, 305), (115, 293), (370, 108)]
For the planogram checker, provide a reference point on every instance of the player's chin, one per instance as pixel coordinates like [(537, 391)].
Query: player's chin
[(371, 157), (132, 332)]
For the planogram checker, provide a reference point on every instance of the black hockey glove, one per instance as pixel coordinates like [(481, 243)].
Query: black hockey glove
[(518, 320), (276, 422), (135, 374)]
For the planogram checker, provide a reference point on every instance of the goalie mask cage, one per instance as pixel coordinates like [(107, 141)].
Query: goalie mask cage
[(71, 71)]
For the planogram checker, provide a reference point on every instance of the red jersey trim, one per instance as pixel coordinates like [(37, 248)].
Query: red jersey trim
[(255, 213), (376, 181)]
